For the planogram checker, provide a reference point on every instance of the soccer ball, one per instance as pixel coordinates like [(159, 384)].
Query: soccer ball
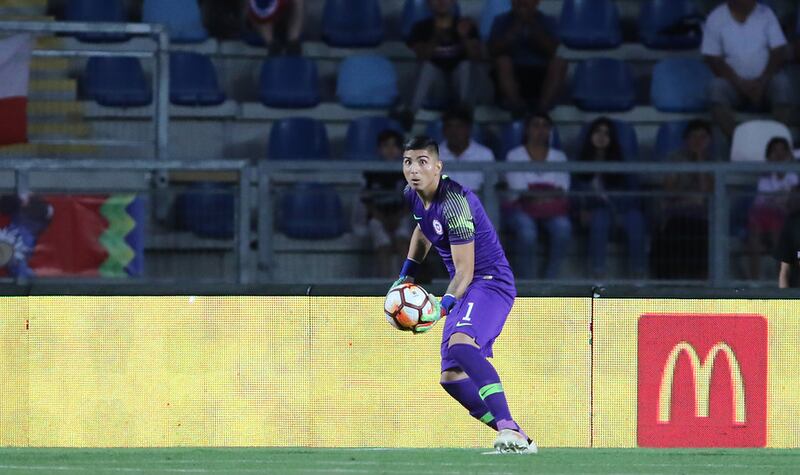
[(405, 304)]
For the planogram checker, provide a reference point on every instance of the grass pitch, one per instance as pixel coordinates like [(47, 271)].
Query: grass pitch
[(398, 461)]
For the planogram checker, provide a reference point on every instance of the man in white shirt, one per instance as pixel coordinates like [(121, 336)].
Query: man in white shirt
[(745, 47), (458, 146)]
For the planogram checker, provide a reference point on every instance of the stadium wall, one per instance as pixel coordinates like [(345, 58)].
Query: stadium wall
[(328, 371)]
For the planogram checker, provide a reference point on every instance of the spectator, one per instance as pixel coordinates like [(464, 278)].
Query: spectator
[(680, 246), (458, 146), (380, 212), (746, 49), (279, 23), (445, 46), (541, 202), (765, 218), (787, 251), (523, 44), (601, 208)]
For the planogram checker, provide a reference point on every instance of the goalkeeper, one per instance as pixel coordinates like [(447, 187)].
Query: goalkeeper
[(450, 218)]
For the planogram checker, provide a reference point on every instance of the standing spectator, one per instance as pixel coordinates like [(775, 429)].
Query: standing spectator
[(680, 246), (458, 146), (765, 218), (601, 208), (380, 213), (523, 45), (541, 203), (279, 23), (746, 49), (445, 46)]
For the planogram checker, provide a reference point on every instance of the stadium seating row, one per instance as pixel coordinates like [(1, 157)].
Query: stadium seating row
[(590, 24), (369, 81)]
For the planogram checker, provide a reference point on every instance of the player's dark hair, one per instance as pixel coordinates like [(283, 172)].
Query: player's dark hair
[(775, 141), (697, 124), (390, 134), (460, 113), (422, 142)]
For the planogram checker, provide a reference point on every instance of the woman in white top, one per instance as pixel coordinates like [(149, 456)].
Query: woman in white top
[(540, 201), (766, 216)]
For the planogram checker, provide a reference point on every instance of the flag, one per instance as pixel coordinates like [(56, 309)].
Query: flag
[(15, 60)]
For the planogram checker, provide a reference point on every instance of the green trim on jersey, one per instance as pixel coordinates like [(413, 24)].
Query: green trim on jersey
[(455, 210)]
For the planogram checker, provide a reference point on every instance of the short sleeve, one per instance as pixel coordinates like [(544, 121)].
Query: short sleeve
[(712, 36), (458, 217), (775, 36)]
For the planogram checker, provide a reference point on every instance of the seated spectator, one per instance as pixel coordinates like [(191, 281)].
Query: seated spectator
[(279, 23), (445, 46), (541, 202), (746, 49), (765, 218), (523, 45), (458, 146), (380, 212), (680, 245), (600, 208)]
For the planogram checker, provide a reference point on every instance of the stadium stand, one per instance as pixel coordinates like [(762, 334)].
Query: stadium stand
[(434, 129), (512, 134), (299, 138), (181, 17), (626, 135), (311, 211), (590, 24), (96, 11), (193, 80), (290, 82), (680, 85), (352, 24), (491, 9), (207, 209), (116, 82), (669, 138), (604, 84), (362, 136), (670, 24), (367, 81), (415, 11)]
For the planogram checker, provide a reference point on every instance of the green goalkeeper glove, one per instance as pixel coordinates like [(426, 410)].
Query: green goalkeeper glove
[(402, 280), (427, 320)]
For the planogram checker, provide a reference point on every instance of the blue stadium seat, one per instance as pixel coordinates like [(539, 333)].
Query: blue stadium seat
[(348, 23), (193, 80), (415, 11), (97, 11), (590, 24), (680, 85), (116, 82), (298, 138), (491, 9), (311, 211), (289, 81), (604, 84), (207, 209), (361, 142), (626, 135), (669, 138), (657, 15), (435, 130), (367, 81), (181, 17), (512, 135)]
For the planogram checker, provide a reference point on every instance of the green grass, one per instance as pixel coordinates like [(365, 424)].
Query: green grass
[(400, 462)]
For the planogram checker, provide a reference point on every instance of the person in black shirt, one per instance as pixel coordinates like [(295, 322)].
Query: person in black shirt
[(788, 251), (445, 46)]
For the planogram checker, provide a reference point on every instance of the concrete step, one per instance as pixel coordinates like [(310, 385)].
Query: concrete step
[(49, 68), (48, 150), (58, 130), (48, 110)]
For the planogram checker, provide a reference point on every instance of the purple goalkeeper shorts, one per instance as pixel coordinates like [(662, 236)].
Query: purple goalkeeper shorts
[(480, 313)]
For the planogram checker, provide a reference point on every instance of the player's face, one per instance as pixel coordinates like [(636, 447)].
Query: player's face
[(421, 169)]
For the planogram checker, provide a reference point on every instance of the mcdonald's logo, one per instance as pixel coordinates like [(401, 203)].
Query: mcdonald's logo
[(702, 380)]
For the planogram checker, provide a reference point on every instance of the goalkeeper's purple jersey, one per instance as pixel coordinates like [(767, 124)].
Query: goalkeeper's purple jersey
[(456, 216)]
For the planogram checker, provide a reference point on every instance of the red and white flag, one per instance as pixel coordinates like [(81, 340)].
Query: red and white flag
[(15, 60)]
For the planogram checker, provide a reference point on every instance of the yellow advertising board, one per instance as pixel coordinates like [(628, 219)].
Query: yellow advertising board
[(695, 373), (272, 371)]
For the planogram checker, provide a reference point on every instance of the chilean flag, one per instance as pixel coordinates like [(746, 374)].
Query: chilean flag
[(15, 59)]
